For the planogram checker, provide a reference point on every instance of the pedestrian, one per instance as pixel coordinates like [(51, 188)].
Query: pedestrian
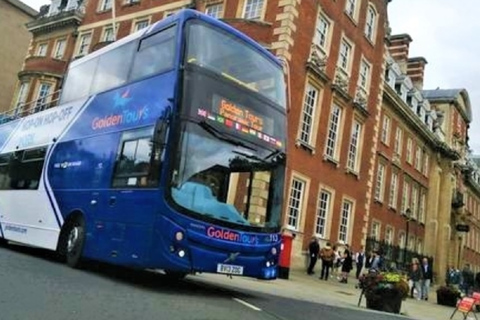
[(359, 261), (427, 275), (337, 262), (327, 255), (313, 250), (347, 264), (468, 279), (374, 262), (415, 279)]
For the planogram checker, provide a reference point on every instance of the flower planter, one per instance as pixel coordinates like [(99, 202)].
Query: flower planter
[(447, 298), (384, 299)]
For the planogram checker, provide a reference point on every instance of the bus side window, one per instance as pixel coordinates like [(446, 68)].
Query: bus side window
[(4, 172), (111, 71), (79, 81), (25, 168), (138, 162), (155, 54)]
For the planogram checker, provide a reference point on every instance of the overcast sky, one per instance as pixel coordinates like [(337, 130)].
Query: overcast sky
[(447, 34)]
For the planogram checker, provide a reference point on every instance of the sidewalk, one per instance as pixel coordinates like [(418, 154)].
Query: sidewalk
[(310, 288)]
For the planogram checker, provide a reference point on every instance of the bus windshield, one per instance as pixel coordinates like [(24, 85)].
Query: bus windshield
[(227, 55), (220, 177)]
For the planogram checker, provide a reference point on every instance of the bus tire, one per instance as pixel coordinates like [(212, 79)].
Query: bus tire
[(75, 242)]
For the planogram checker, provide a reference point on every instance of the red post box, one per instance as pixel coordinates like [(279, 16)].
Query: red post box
[(285, 255)]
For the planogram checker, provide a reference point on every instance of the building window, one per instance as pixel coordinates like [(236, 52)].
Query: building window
[(397, 147), (401, 240), (414, 203), (324, 199), (344, 221), (409, 150), (42, 50), (380, 183), (392, 199), (352, 161), (22, 96), (59, 50), (370, 23), (106, 5), (421, 209), (385, 138), (333, 130), (375, 234), (108, 34), (215, 10), (253, 9), (350, 7), (84, 45), (364, 75), (405, 196), (344, 57), (389, 235), (295, 203), (426, 164), (321, 31), (418, 158), (308, 113), (141, 24), (42, 96)]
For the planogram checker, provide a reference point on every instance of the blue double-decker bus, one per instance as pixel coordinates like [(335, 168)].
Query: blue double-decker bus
[(167, 151)]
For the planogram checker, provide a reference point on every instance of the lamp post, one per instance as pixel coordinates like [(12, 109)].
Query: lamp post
[(407, 216)]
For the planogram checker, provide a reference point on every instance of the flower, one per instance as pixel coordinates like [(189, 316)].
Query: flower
[(374, 282)]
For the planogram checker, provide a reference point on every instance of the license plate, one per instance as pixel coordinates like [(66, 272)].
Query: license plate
[(229, 269)]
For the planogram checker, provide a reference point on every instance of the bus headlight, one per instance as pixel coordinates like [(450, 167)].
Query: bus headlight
[(268, 264), (181, 253), (179, 236), (274, 251)]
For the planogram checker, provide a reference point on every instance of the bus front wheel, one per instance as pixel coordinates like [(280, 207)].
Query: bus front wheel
[(74, 242)]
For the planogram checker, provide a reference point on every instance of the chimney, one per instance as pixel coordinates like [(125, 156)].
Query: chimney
[(416, 71), (398, 47)]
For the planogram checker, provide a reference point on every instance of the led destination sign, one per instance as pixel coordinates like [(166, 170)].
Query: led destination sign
[(241, 115), (241, 119)]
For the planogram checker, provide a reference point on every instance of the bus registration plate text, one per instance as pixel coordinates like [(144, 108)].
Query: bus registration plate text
[(229, 269)]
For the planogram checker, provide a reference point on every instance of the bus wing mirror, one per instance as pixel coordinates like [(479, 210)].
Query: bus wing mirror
[(161, 127)]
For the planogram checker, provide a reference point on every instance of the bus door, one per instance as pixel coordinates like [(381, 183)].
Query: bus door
[(130, 204)]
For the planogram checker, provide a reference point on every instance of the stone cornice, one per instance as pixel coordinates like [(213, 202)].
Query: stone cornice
[(61, 20)]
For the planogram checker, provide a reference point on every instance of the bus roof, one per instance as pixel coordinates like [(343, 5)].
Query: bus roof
[(181, 16)]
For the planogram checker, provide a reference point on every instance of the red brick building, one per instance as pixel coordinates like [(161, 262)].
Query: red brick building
[(338, 67), (406, 144), (48, 56)]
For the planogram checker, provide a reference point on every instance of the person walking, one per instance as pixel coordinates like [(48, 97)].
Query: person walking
[(327, 255), (347, 265), (415, 279), (313, 250), (359, 261), (427, 275)]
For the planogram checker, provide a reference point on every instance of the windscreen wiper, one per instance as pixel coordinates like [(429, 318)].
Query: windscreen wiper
[(277, 156), (250, 156), (222, 136)]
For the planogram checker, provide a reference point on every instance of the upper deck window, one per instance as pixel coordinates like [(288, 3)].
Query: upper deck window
[(236, 60)]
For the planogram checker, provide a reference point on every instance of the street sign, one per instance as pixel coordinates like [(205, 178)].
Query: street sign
[(463, 228)]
